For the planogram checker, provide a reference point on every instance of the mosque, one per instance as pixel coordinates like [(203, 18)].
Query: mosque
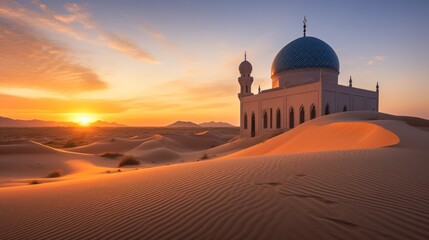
[(304, 77)]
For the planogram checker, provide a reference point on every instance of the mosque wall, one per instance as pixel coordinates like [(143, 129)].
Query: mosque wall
[(328, 99), (358, 103), (283, 100), (301, 101), (320, 94), (250, 108), (344, 102), (372, 104), (347, 98)]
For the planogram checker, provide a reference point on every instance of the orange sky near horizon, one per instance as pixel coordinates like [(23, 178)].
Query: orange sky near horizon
[(151, 63)]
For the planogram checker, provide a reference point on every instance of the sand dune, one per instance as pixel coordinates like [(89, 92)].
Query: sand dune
[(333, 136), (23, 147), (174, 148), (110, 145), (355, 194), (22, 161), (378, 191)]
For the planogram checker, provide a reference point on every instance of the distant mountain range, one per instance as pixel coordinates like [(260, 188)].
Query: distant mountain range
[(215, 124), (182, 124), (9, 122)]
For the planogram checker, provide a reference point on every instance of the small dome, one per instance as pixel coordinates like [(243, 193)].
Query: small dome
[(305, 52), (245, 67)]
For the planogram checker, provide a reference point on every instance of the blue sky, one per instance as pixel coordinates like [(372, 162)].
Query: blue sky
[(160, 61)]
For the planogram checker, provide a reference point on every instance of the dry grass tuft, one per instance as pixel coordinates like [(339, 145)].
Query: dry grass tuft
[(205, 156), (55, 174), (129, 160), (34, 182)]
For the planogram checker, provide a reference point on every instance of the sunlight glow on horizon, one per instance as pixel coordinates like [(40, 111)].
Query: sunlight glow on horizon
[(75, 62), (83, 119)]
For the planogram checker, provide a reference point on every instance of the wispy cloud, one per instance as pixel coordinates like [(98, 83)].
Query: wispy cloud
[(376, 59), (158, 37), (77, 23), (125, 46), (29, 60), (16, 11), (76, 14)]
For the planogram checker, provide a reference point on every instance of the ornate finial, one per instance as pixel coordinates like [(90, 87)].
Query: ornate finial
[(259, 89), (350, 81), (377, 87), (245, 55), (305, 25)]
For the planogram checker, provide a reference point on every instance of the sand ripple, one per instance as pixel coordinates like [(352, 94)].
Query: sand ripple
[(347, 194)]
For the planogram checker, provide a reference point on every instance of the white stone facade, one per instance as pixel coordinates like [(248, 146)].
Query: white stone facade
[(297, 95)]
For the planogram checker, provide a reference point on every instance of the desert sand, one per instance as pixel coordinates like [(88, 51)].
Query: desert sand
[(354, 175)]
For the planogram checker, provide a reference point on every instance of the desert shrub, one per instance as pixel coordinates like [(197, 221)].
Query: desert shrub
[(54, 174), (205, 156), (111, 155), (34, 182), (128, 160), (69, 144)]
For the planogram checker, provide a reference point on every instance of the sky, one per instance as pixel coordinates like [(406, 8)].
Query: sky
[(152, 62)]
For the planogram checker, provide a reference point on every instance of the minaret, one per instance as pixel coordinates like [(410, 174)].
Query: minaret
[(245, 79), (377, 88), (350, 81)]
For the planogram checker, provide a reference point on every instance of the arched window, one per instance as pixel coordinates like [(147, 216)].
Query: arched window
[(301, 115), (265, 119), (245, 121), (252, 130), (345, 108), (327, 109), (278, 119), (312, 112), (247, 88), (291, 118)]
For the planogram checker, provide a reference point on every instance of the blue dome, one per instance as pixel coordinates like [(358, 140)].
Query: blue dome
[(305, 52)]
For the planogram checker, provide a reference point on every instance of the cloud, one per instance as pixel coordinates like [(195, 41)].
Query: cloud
[(29, 60), (158, 37), (122, 45), (77, 14), (376, 59), (77, 23), (16, 11)]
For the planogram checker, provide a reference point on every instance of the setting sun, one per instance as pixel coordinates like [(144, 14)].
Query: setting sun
[(214, 119), (84, 120)]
